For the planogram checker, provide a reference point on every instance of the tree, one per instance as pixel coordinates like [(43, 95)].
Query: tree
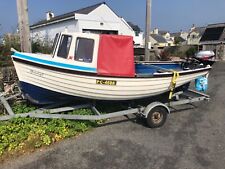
[(178, 40), (191, 51)]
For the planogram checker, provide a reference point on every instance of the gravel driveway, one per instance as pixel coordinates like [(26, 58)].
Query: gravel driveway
[(190, 139)]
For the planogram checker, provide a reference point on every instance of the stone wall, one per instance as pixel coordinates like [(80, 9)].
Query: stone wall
[(219, 50), (7, 75)]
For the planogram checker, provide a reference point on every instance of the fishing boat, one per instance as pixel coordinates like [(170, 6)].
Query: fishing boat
[(96, 67)]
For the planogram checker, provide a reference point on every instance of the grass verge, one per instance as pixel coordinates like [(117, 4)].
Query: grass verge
[(26, 134)]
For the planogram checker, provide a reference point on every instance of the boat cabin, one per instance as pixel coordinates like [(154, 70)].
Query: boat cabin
[(105, 55)]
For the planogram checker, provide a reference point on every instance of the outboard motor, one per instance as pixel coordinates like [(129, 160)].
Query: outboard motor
[(205, 57)]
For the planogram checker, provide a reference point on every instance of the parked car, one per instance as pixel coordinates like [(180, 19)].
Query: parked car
[(205, 57)]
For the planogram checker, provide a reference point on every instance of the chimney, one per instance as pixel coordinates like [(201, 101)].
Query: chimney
[(193, 27), (49, 15), (156, 31)]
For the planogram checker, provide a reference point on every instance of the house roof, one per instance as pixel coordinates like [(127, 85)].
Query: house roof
[(199, 30), (136, 28), (159, 38), (214, 32), (163, 32), (180, 39), (176, 34), (69, 15), (216, 25)]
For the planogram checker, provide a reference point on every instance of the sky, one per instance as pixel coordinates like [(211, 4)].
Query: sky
[(169, 15)]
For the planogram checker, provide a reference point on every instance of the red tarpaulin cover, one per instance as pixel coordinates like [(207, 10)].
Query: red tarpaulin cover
[(116, 56)]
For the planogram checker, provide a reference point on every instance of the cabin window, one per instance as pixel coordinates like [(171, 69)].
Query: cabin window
[(84, 50), (64, 46)]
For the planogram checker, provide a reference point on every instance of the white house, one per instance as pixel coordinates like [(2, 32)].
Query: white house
[(195, 35), (166, 35), (99, 18), (139, 35)]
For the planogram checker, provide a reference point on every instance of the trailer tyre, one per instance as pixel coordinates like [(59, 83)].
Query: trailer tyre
[(157, 117)]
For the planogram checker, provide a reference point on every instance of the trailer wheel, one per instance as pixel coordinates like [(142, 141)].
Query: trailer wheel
[(157, 117)]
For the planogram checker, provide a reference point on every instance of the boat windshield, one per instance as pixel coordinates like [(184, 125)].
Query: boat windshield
[(64, 46), (84, 50), (55, 42)]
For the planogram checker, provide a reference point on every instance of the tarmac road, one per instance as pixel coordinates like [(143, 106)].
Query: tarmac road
[(190, 139)]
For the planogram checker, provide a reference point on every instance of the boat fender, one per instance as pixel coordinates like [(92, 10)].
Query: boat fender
[(153, 105), (201, 84)]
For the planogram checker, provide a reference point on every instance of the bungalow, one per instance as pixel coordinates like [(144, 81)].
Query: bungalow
[(167, 36), (158, 41), (99, 18), (172, 38), (214, 39)]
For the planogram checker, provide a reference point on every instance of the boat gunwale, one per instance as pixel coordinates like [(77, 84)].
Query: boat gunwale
[(94, 74)]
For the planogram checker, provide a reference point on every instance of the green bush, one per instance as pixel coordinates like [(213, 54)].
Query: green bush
[(42, 47), (191, 51), (10, 41), (181, 51), (13, 41)]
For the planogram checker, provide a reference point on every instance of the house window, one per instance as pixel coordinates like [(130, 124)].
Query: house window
[(194, 36), (64, 46), (136, 33), (84, 50)]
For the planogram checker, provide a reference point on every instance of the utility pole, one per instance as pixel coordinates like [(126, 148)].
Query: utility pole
[(147, 29), (24, 28), (0, 30)]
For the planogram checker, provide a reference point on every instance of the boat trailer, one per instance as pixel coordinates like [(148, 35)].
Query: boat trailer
[(155, 112)]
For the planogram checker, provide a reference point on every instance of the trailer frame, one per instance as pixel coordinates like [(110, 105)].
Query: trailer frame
[(155, 112)]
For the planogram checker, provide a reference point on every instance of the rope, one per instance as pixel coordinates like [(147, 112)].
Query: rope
[(176, 75)]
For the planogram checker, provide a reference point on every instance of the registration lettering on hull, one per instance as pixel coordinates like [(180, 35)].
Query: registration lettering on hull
[(106, 82)]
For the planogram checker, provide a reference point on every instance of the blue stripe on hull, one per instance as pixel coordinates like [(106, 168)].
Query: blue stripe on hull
[(56, 64), (41, 96)]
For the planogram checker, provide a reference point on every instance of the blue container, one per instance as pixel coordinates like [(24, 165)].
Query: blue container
[(201, 84)]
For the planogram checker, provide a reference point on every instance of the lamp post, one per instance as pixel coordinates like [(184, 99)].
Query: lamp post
[(147, 29)]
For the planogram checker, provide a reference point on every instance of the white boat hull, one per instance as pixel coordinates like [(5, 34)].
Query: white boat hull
[(86, 87)]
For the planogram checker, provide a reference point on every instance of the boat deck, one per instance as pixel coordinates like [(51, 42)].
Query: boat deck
[(150, 69)]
